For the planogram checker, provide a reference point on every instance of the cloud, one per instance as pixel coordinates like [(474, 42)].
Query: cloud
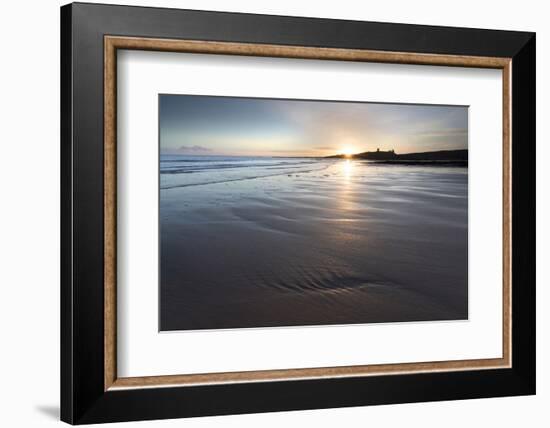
[(192, 149)]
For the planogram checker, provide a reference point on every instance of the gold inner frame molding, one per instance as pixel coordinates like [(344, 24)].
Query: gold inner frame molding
[(113, 43)]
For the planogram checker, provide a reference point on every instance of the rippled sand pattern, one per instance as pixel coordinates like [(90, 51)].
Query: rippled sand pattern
[(312, 243)]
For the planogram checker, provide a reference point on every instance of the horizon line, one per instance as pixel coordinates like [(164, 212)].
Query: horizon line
[(304, 156)]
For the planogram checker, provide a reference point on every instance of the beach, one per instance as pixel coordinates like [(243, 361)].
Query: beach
[(272, 242)]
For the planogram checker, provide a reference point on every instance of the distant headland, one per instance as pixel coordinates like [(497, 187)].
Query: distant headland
[(440, 157)]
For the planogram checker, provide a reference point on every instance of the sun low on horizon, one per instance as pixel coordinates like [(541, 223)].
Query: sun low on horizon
[(348, 151)]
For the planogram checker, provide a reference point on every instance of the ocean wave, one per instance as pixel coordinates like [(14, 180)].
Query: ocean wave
[(229, 180), (209, 167), (185, 165)]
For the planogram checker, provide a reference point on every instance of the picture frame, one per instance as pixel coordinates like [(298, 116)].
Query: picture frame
[(91, 36)]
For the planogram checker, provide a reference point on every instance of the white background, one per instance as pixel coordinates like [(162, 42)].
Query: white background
[(142, 351), (29, 223)]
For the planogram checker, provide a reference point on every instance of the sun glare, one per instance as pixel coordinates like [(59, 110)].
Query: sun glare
[(347, 151)]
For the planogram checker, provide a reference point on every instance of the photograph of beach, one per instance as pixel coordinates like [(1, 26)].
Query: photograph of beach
[(286, 212)]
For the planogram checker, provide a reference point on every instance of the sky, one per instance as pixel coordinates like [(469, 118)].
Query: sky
[(210, 125)]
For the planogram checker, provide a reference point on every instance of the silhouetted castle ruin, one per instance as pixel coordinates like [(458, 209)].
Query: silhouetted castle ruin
[(390, 155)]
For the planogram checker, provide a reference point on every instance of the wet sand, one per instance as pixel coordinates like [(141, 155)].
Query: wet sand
[(342, 242)]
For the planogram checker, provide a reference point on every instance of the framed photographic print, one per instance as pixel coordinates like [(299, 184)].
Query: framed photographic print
[(265, 213)]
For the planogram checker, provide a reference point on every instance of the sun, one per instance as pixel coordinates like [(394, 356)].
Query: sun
[(347, 151)]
